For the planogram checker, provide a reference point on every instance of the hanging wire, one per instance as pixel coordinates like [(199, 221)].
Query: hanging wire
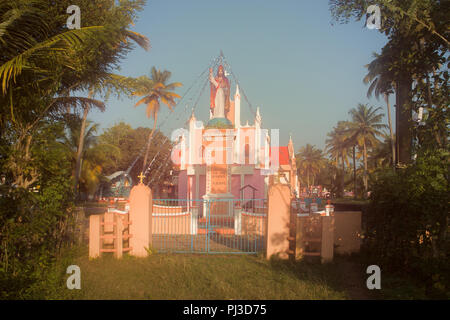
[(213, 61), (166, 160), (219, 60), (199, 93)]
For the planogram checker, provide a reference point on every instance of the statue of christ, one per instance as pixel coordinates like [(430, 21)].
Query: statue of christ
[(220, 93)]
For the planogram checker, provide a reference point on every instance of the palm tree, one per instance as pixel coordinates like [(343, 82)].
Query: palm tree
[(31, 49), (309, 162), (381, 155), (365, 127), (338, 144), (27, 43), (381, 82), (155, 90)]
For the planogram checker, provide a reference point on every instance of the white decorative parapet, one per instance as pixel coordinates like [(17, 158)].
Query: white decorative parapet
[(114, 210), (170, 214), (194, 220), (237, 221)]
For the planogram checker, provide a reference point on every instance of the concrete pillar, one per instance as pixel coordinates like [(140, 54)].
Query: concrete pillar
[(194, 219), (141, 207), (327, 249), (119, 237), (237, 220), (299, 236), (94, 236), (278, 221)]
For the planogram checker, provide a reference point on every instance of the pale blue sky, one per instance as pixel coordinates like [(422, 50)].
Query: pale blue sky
[(304, 73)]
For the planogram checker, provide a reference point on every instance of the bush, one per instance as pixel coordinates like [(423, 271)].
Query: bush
[(407, 220), (35, 223)]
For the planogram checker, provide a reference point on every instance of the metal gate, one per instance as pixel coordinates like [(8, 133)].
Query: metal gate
[(216, 226)]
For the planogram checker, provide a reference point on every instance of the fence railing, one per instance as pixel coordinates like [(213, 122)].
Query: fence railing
[(217, 226), (189, 226)]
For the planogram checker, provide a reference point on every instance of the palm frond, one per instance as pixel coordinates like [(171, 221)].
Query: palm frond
[(56, 44), (140, 39), (79, 102)]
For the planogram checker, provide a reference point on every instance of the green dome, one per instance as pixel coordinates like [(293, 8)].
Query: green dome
[(219, 123)]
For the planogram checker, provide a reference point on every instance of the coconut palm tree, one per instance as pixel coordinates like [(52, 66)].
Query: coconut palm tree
[(381, 81), (27, 42), (365, 127), (338, 146), (155, 90), (309, 163)]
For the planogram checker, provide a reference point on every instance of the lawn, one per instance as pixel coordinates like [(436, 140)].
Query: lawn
[(189, 276)]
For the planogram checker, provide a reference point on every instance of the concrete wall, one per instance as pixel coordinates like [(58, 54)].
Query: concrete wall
[(182, 185), (171, 224), (253, 224), (347, 233)]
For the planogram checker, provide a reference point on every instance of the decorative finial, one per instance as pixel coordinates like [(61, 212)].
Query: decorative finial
[(141, 177)]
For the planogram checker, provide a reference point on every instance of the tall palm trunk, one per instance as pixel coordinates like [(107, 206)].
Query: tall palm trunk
[(366, 186), (80, 148), (354, 172), (307, 180), (403, 116), (149, 142), (343, 175), (391, 131)]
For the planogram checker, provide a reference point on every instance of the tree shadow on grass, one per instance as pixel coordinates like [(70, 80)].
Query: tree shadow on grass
[(345, 274)]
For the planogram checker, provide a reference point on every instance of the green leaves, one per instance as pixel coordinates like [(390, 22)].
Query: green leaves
[(54, 47)]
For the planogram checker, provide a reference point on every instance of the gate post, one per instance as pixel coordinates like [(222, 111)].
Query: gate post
[(278, 221), (194, 218), (237, 220), (327, 249), (141, 209), (94, 236)]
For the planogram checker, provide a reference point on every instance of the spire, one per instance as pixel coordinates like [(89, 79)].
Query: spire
[(291, 147), (237, 108), (192, 118), (258, 117)]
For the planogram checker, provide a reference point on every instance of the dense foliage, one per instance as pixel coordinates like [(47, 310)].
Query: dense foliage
[(407, 224), (407, 220), (35, 224), (43, 65)]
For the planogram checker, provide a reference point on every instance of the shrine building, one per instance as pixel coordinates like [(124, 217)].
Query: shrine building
[(227, 160)]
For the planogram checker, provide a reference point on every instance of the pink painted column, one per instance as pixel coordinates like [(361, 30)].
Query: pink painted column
[(278, 221), (94, 236), (141, 207)]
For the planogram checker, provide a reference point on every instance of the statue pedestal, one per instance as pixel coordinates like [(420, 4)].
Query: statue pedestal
[(218, 204), (218, 191)]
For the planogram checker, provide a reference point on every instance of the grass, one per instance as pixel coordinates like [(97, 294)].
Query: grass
[(183, 276), (221, 277)]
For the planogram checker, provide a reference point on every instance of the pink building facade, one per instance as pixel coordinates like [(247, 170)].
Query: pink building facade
[(250, 153)]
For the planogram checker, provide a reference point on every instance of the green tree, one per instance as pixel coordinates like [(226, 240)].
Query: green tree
[(418, 33), (338, 144), (365, 126), (131, 144), (310, 161), (382, 83)]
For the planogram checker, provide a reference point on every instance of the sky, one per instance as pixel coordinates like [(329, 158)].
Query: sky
[(304, 73)]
